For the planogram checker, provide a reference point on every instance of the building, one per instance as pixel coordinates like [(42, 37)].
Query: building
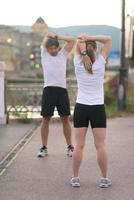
[(129, 36), (17, 43)]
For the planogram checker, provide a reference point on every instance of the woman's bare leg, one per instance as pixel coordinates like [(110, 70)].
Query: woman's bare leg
[(102, 157), (80, 135)]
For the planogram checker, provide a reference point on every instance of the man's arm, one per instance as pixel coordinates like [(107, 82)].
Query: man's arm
[(70, 42), (47, 36), (105, 39)]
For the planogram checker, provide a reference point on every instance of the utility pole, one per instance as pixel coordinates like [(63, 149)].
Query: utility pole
[(123, 71)]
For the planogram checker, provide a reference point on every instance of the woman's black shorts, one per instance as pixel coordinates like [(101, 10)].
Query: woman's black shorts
[(93, 113), (55, 97)]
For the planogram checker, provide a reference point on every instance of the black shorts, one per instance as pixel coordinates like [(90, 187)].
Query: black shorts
[(93, 113), (55, 97)]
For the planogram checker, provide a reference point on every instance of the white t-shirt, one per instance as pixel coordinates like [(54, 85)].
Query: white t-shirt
[(54, 68), (90, 86)]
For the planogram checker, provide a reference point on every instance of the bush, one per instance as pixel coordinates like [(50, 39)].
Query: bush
[(130, 98), (110, 94)]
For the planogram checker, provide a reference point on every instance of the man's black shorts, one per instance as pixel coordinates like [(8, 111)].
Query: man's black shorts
[(55, 97), (93, 113)]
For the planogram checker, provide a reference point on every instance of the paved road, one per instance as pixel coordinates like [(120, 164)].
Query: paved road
[(33, 178)]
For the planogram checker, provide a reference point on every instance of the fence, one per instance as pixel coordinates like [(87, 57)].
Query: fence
[(24, 100)]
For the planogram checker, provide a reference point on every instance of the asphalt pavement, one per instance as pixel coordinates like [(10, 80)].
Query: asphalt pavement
[(29, 177)]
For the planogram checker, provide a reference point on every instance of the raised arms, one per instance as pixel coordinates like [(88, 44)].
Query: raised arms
[(70, 40), (104, 39)]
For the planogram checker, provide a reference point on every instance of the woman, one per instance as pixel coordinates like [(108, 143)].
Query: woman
[(89, 69)]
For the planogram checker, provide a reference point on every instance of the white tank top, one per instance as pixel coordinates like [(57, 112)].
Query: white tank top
[(90, 86), (54, 68)]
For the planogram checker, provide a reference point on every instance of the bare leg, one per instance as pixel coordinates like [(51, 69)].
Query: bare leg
[(80, 135), (45, 130), (102, 157), (66, 129)]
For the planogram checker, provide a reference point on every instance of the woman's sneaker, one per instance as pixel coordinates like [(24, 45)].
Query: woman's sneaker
[(43, 152), (75, 182), (104, 183), (70, 149)]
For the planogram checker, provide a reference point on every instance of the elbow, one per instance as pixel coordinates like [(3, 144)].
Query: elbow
[(109, 38), (79, 41), (72, 40)]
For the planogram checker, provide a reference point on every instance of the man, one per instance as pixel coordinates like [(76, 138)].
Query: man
[(55, 94)]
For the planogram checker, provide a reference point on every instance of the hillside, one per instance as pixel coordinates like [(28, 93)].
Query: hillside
[(88, 29), (93, 30)]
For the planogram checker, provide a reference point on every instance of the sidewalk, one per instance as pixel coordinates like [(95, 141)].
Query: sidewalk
[(11, 133), (48, 178)]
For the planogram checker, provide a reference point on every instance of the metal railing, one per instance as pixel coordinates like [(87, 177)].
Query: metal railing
[(23, 100)]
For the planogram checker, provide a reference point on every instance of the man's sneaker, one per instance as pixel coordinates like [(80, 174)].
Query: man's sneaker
[(104, 183), (70, 149), (75, 182), (43, 152)]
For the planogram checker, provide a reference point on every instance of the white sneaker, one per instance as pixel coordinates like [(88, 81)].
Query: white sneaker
[(75, 182), (104, 183), (43, 152), (70, 149)]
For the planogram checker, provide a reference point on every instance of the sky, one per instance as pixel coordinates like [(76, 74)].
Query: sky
[(61, 13)]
